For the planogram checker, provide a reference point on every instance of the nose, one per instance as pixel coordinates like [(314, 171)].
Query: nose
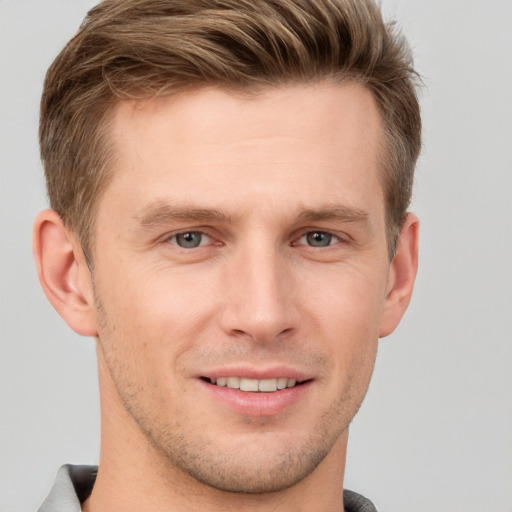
[(260, 296)]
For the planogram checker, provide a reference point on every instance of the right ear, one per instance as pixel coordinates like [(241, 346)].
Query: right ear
[(63, 272)]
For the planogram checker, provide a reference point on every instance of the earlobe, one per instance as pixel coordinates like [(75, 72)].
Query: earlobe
[(63, 272), (402, 276)]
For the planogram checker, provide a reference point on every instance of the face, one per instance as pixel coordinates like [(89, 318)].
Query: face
[(240, 275)]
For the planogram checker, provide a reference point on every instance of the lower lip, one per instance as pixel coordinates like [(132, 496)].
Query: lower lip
[(258, 404)]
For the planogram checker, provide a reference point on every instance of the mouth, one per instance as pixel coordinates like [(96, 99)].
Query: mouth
[(254, 385), (258, 393)]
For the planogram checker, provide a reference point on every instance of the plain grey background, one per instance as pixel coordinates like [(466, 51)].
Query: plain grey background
[(435, 431)]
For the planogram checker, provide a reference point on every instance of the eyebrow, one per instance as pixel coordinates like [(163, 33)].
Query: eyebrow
[(335, 213), (160, 213)]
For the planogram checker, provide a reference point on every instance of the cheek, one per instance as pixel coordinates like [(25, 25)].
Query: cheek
[(153, 315), (345, 312), (347, 295)]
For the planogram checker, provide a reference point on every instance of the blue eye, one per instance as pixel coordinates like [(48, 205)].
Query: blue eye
[(318, 239), (189, 239)]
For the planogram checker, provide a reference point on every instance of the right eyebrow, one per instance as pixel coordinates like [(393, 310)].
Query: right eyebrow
[(159, 212)]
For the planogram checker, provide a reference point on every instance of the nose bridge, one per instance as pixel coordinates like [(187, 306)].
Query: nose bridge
[(260, 292)]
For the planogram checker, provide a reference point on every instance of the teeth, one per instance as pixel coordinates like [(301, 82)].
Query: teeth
[(282, 382), (254, 385), (267, 385), (233, 382), (248, 384)]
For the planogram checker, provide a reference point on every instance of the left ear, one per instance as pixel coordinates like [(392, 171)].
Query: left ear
[(401, 276)]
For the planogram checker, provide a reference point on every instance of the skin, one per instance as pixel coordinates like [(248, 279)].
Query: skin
[(253, 180)]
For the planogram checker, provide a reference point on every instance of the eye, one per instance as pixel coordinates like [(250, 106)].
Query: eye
[(189, 239), (318, 239)]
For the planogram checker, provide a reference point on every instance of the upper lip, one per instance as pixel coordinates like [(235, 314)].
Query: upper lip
[(251, 372)]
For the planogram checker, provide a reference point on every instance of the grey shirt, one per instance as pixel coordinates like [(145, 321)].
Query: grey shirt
[(73, 486)]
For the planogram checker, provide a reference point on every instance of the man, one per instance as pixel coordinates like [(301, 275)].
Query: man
[(229, 184)]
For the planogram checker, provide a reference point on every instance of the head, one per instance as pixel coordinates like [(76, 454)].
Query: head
[(140, 50), (237, 176)]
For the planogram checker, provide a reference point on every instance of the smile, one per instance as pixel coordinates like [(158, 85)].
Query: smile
[(254, 385)]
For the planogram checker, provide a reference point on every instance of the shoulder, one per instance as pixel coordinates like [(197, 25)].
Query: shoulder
[(354, 502), (72, 486)]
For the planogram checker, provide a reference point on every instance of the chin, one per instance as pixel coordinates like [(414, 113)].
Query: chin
[(252, 463), (254, 475)]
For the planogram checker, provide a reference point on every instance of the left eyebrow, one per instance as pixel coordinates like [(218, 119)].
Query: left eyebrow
[(335, 213)]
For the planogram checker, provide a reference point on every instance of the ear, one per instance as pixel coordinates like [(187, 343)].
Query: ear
[(63, 272), (401, 276)]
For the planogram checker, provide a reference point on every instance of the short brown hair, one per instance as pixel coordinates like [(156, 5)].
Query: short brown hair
[(138, 49)]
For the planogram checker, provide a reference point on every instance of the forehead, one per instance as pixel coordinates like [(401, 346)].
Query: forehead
[(212, 115), (305, 139)]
